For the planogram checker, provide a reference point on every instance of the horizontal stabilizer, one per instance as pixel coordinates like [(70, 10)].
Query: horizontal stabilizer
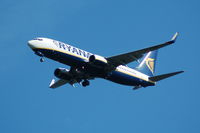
[(164, 76)]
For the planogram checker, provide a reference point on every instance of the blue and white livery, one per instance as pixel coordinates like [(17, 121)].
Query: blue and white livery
[(86, 66)]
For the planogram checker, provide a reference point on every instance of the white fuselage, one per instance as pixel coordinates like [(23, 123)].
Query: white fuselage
[(122, 74)]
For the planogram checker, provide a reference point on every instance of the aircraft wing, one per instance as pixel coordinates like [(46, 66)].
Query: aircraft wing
[(56, 84), (126, 58)]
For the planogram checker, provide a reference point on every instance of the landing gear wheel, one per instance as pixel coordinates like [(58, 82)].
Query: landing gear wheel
[(41, 59), (85, 83)]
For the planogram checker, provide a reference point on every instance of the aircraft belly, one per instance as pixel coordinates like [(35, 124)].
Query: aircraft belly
[(122, 78), (125, 79), (62, 57), (115, 76)]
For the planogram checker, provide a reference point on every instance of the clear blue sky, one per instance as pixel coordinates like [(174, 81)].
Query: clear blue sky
[(105, 27)]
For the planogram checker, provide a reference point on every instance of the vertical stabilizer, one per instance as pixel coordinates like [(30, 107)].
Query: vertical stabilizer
[(147, 66)]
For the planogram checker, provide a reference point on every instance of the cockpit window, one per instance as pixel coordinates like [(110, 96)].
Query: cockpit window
[(39, 39)]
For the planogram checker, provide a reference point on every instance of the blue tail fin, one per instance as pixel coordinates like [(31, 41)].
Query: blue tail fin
[(147, 66)]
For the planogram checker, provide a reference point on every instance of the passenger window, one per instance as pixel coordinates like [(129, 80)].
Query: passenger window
[(39, 39)]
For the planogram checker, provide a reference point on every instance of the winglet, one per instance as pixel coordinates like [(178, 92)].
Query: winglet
[(58, 83), (174, 37), (173, 40), (52, 83)]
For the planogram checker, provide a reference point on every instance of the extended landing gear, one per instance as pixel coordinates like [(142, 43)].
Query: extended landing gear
[(41, 55), (42, 59), (85, 83)]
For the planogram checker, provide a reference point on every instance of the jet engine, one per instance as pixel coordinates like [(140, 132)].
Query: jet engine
[(62, 73), (98, 60)]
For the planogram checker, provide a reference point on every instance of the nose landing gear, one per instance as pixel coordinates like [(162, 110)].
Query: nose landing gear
[(41, 55)]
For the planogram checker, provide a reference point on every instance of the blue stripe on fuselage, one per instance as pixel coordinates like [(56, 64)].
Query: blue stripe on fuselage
[(125, 79), (62, 57)]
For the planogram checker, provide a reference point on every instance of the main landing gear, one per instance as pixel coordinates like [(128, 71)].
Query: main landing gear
[(41, 59), (85, 83)]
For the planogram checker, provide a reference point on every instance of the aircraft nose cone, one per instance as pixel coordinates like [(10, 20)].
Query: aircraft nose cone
[(31, 44)]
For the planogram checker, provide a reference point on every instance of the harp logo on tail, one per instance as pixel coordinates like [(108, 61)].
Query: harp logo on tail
[(150, 64)]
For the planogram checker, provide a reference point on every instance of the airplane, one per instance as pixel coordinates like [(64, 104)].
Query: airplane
[(85, 66)]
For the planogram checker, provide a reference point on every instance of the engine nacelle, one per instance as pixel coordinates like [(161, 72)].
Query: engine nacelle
[(62, 73), (98, 60)]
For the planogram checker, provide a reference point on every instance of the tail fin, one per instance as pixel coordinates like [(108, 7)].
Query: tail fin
[(147, 66), (164, 76)]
